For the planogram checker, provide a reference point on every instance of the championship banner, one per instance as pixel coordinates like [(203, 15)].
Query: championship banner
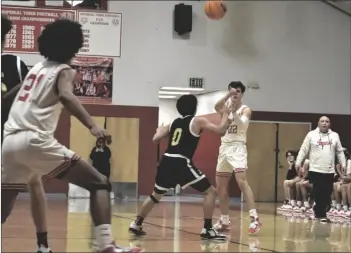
[(97, 26), (28, 24), (94, 79)]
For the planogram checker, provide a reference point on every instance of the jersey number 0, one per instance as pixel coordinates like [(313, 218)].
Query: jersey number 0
[(176, 136)]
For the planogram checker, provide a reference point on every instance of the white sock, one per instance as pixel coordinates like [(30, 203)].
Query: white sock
[(293, 202), (345, 207), (253, 213), (306, 204), (103, 235), (225, 219), (333, 203), (299, 203), (338, 207)]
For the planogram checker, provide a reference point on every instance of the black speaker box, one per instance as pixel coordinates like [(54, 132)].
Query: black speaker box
[(183, 18)]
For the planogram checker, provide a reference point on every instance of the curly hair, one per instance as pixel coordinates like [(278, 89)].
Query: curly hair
[(6, 26), (61, 40)]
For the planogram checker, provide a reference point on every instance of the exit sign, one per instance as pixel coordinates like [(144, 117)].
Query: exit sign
[(195, 82)]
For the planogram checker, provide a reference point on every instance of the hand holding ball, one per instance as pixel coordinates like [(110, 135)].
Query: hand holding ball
[(215, 9)]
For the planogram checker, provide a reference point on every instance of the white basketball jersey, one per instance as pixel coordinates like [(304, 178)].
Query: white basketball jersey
[(236, 131), (37, 106)]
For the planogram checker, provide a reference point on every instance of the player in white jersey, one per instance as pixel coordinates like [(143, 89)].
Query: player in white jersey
[(233, 157), (29, 146)]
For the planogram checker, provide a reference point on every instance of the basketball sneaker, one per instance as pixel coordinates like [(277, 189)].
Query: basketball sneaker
[(255, 225), (43, 249), (212, 234), (221, 227), (116, 248), (136, 230)]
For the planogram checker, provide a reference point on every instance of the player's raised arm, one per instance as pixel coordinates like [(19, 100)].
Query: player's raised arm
[(201, 123), (161, 133), (65, 84)]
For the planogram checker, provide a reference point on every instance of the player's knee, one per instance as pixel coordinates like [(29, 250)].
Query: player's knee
[(155, 197), (101, 184), (34, 181)]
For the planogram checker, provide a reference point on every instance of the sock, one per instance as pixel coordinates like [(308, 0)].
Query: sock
[(208, 224), (139, 221), (42, 239), (306, 204), (225, 219), (293, 202), (253, 213), (333, 203), (338, 207), (299, 203), (345, 208), (103, 236)]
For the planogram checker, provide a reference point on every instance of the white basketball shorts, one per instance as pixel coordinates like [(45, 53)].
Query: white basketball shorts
[(232, 157), (27, 152)]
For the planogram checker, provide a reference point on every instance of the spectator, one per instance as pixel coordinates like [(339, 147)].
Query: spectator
[(101, 157)]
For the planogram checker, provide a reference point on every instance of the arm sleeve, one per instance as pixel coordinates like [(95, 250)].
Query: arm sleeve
[(304, 150)]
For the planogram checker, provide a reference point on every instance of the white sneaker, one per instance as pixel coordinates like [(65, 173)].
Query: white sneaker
[(221, 227), (43, 249)]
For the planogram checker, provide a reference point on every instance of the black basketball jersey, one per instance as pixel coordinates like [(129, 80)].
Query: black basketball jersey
[(181, 140), (13, 71)]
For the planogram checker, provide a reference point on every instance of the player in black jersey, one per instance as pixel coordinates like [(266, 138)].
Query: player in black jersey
[(13, 71), (176, 165)]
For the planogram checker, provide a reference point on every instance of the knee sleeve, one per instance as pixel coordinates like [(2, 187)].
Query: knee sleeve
[(102, 186), (154, 199)]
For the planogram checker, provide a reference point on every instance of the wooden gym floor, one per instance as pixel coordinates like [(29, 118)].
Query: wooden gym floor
[(173, 227)]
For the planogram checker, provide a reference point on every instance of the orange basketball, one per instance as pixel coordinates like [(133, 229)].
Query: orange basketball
[(215, 9)]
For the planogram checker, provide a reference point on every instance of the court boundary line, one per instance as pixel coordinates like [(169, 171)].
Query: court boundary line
[(188, 232)]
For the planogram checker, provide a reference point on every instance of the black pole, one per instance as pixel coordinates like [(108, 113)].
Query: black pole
[(276, 163)]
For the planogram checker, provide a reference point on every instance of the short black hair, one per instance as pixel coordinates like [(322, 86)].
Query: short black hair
[(6, 26), (291, 152), (187, 105), (61, 40), (236, 85)]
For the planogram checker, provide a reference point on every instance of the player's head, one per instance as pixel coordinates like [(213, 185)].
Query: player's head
[(324, 124), (6, 26), (61, 40), (290, 155), (187, 105), (239, 87)]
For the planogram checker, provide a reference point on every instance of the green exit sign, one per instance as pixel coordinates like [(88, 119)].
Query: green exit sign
[(196, 82)]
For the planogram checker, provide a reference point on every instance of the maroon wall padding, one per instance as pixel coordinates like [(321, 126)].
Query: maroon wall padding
[(206, 154)]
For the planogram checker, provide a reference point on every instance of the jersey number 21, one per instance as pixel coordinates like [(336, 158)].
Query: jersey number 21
[(176, 136)]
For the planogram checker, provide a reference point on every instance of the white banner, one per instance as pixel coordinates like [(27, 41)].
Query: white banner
[(102, 33)]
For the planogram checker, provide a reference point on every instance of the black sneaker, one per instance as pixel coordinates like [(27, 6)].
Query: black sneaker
[(324, 220), (212, 234), (136, 230)]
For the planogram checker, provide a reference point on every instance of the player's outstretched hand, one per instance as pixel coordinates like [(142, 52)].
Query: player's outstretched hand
[(99, 132), (225, 110)]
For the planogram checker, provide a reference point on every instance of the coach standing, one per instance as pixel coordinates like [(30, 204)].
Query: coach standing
[(322, 144)]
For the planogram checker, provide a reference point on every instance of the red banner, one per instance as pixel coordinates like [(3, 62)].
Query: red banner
[(28, 24), (94, 79)]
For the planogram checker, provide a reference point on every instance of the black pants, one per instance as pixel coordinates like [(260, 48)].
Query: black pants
[(321, 192)]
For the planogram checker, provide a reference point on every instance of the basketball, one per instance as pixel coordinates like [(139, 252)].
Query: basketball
[(215, 9)]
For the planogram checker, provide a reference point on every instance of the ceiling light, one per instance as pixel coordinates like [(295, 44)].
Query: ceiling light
[(173, 93), (167, 96), (182, 88)]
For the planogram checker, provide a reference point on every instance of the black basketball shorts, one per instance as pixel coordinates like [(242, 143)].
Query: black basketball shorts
[(177, 169)]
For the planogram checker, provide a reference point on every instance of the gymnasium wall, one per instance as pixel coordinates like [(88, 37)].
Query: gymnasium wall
[(295, 50)]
